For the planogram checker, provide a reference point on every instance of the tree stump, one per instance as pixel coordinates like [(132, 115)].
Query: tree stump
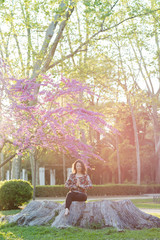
[(119, 214), (35, 213)]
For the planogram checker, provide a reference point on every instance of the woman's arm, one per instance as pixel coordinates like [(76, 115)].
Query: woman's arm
[(86, 183), (71, 183)]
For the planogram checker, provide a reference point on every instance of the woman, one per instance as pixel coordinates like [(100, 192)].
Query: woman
[(78, 183)]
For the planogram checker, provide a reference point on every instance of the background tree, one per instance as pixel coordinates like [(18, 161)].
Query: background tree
[(78, 38)]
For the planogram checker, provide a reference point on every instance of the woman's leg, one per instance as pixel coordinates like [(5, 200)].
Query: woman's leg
[(74, 196), (68, 202), (69, 199), (79, 197)]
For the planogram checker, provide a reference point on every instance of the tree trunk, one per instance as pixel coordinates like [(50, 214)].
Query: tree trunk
[(64, 167), (31, 156), (156, 129), (34, 170), (124, 86), (118, 160), (2, 169), (16, 167), (154, 97), (121, 215), (136, 144)]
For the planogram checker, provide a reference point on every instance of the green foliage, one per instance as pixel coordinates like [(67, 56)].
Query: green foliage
[(127, 156), (14, 193), (99, 190)]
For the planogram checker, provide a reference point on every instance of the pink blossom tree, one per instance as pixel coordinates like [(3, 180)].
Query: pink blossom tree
[(38, 119), (49, 124)]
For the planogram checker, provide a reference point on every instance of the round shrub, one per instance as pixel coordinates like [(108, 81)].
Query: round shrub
[(14, 193)]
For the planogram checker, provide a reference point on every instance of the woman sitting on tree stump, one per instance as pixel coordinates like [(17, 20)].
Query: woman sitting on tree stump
[(78, 183)]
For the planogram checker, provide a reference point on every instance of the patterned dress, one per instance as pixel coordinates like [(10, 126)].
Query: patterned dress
[(85, 183)]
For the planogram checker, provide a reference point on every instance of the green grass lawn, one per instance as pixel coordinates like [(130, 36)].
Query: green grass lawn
[(10, 232), (14, 232), (146, 203), (142, 203), (9, 212)]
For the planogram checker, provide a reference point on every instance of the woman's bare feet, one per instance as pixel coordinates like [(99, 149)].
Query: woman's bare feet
[(66, 212)]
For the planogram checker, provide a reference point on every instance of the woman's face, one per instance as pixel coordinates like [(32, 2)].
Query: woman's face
[(79, 167)]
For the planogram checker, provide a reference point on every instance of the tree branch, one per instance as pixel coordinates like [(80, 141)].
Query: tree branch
[(56, 41), (129, 18), (8, 159), (145, 67), (74, 52), (106, 15), (48, 37), (70, 45), (93, 36)]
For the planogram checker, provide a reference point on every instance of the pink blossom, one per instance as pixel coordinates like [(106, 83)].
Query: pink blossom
[(46, 123)]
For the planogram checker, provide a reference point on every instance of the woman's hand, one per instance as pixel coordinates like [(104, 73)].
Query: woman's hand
[(78, 182)]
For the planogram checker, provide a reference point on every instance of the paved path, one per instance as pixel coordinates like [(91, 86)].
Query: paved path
[(150, 211), (144, 196)]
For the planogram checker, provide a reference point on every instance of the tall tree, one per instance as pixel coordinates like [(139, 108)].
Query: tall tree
[(33, 32)]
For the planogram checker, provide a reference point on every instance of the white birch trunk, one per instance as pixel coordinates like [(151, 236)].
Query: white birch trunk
[(137, 144), (2, 168), (16, 168)]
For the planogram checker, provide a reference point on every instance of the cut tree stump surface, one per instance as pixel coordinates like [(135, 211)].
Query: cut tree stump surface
[(119, 214)]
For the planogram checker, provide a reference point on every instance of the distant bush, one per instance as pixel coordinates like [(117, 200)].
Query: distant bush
[(99, 190), (14, 193)]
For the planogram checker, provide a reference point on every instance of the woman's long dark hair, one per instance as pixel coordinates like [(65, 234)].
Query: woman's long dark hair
[(74, 170)]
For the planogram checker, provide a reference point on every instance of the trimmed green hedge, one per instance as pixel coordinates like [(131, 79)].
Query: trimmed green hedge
[(51, 191), (99, 190)]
